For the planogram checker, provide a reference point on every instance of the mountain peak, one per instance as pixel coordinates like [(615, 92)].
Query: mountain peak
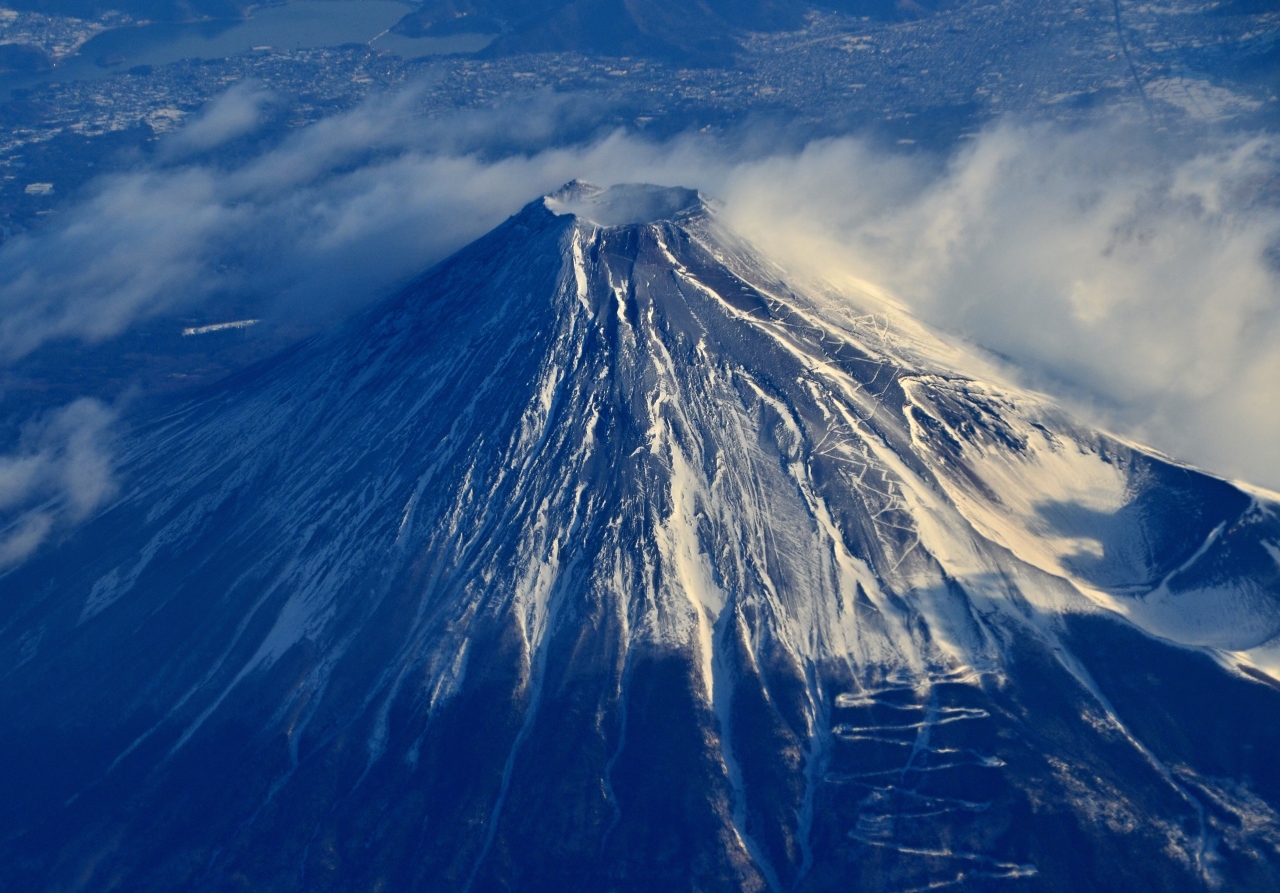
[(625, 204)]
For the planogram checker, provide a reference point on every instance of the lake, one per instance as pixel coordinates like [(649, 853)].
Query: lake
[(304, 24)]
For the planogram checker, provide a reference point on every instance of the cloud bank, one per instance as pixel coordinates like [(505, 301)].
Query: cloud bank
[(1135, 280)]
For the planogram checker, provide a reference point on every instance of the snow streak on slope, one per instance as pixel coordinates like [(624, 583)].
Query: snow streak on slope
[(771, 572)]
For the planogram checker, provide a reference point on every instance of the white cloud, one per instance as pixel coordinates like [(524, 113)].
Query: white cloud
[(235, 113), (59, 474)]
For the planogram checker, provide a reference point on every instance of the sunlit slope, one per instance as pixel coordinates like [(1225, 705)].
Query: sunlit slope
[(602, 559)]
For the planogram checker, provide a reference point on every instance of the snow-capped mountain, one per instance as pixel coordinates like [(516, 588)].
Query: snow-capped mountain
[(602, 558)]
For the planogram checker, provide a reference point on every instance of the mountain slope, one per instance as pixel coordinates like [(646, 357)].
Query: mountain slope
[(600, 558)]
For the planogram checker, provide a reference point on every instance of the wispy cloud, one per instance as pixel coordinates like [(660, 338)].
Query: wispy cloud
[(59, 474), (237, 112)]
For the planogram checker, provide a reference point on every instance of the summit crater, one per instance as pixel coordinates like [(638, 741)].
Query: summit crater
[(626, 204)]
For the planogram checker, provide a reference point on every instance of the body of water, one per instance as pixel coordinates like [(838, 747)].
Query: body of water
[(304, 24)]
